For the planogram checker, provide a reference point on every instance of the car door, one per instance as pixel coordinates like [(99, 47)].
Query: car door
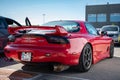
[(99, 42)]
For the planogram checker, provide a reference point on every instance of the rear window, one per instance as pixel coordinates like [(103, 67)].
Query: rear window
[(70, 26), (110, 29)]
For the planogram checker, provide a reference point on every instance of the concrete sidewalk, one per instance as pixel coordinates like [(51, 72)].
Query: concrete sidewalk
[(11, 74)]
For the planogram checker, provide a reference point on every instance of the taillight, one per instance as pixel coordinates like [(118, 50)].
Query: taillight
[(57, 40), (11, 38)]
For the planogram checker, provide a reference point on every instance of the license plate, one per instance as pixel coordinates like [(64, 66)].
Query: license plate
[(26, 56)]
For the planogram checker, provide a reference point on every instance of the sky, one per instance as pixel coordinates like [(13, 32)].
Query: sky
[(40, 11)]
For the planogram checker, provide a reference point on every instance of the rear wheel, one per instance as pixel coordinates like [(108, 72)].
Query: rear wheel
[(111, 50), (85, 60)]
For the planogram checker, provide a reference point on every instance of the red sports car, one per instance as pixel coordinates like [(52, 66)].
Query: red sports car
[(70, 43)]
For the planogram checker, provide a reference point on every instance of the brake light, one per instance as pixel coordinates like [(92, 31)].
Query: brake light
[(57, 40), (12, 38)]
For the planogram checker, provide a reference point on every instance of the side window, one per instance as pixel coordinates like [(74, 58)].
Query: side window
[(71, 26), (91, 29), (2, 26)]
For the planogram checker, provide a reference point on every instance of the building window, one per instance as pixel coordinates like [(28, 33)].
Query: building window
[(91, 17), (115, 17), (101, 17)]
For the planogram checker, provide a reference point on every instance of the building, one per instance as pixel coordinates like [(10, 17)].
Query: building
[(100, 15)]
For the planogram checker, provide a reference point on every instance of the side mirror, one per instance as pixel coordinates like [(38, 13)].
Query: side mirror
[(103, 33)]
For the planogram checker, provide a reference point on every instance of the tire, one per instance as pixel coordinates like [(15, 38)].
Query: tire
[(111, 52), (85, 60)]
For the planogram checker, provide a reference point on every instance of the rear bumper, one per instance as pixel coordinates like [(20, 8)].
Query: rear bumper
[(62, 56)]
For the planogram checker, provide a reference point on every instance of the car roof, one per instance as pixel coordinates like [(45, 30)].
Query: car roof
[(111, 26)]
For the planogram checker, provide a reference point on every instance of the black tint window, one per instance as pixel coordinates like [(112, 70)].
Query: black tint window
[(110, 29)]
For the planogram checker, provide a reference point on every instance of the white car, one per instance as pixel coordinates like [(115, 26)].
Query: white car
[(112, 31)]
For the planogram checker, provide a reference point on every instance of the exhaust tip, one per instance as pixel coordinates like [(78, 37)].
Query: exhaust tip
[(60, 67)]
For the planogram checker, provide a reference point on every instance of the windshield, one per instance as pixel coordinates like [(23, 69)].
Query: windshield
[(110, 29), (69, 26)]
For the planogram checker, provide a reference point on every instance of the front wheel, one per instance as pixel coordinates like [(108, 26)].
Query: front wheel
[(85, 60)]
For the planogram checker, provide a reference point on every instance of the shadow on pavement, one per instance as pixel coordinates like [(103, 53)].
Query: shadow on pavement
[(38, 68), (48, 69), (21, 75)]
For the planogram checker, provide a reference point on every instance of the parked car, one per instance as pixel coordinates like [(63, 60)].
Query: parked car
[(60, 43), (4, 23), (113, 31)]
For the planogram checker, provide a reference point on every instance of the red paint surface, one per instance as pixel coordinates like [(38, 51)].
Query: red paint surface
[(67, 54)]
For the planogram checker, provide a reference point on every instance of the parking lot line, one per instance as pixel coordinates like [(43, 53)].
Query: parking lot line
[(52, 76)]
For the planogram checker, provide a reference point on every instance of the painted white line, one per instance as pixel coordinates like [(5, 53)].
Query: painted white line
[(67, 77), (8, 69)]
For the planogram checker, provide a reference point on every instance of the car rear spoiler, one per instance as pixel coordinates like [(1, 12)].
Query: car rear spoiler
[(59, 30)]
